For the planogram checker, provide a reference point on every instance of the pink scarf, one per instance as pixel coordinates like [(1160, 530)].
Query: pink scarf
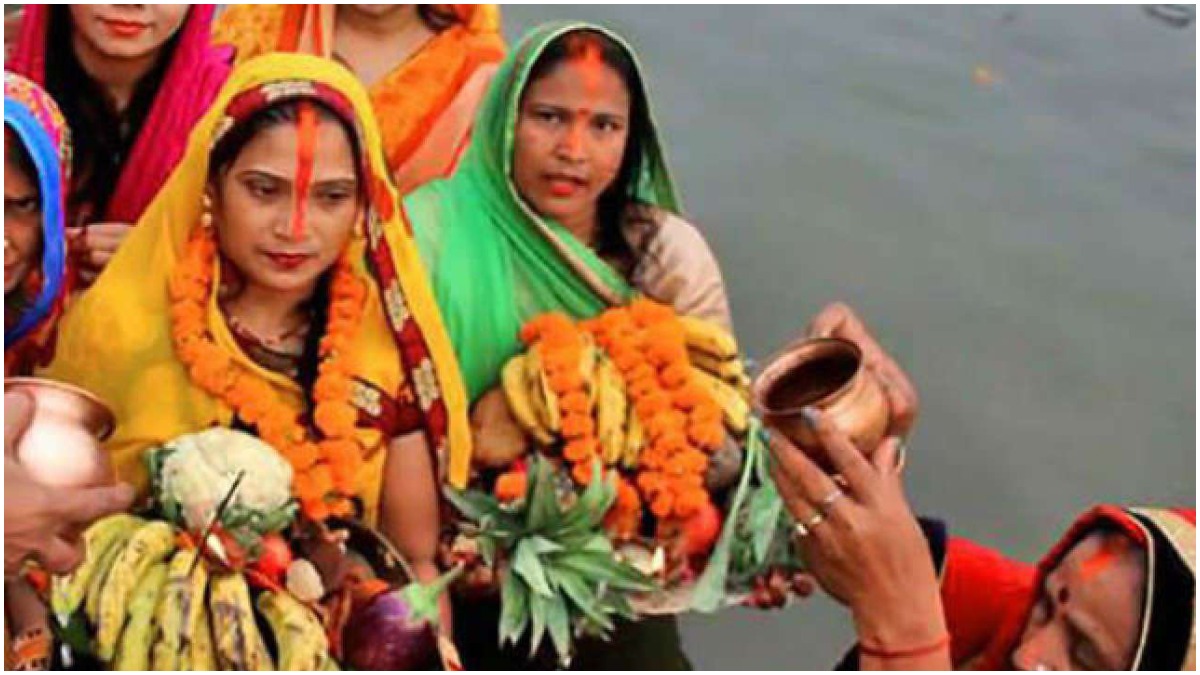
[(195, 74)]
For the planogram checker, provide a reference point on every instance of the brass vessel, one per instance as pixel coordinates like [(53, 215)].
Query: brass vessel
[(61, 448), (827, 374)]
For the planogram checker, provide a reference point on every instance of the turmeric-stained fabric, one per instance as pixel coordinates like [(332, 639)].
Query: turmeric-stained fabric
[(425, 105), (117, 340), (36, 123)]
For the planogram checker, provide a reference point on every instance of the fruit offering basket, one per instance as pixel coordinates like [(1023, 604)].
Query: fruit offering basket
[(221, 571), (618, 473)]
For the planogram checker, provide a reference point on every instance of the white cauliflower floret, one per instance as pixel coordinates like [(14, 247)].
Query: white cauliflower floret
[(201, 467)]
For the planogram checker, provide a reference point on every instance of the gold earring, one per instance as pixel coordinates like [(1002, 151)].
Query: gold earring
[(206, 218)]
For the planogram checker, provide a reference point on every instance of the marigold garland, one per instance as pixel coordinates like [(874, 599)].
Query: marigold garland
[(682, 422), (561, 346), (325, 471)]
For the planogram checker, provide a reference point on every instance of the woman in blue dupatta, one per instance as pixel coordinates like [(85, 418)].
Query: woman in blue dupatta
[(36, 160)]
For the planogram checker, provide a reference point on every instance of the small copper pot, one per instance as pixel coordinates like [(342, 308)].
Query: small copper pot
[(827, 374), (61, 448)]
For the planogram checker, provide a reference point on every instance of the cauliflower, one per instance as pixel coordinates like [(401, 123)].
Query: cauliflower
[(193, 473)]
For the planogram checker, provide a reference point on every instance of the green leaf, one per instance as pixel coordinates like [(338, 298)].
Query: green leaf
[(527, 564), (560, 626), (542, 545), (543, 498), (598, 567), (514, 608), (710, 589), (580, 594), (472, 504), (764, 510), (538, 609), (598, 543)]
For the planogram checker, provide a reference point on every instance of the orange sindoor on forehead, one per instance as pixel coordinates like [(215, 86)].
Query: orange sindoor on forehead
[(306, 145), (1099, 562), (591, 65)]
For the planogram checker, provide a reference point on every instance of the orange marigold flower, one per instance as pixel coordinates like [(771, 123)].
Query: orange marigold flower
[(581, 450), (662, 505), (639, 388), (578, 426), (675, 375), (302, 456), (316, 509), (582, 472), (651, 404), (650, 482), (322, 478), (688, 396), (335, 418), (575, 402), (511, 486), (643, 371), (705, 413), (646, 312), (564, 383), (332, 388)]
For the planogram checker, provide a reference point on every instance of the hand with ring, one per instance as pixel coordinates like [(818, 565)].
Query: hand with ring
[(859, 538)]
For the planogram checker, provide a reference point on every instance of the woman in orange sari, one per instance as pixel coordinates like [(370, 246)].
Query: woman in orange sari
[(426, 67)]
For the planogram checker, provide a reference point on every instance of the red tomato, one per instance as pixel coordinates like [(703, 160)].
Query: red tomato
[(701, 530), (274, 557)]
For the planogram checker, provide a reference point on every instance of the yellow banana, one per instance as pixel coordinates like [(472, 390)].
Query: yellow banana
[(611, 411), (179, 611), (587, 366), (133, 649), (91, 604), (239, 645), (517, 392), (68, 592), (735, 409), (545, 401), (298, 633), (149, 544), (202, 656), (708, 337), (729, 370), (635, 439)]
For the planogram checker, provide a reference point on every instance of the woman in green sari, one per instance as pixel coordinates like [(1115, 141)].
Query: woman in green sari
[(562, 202)]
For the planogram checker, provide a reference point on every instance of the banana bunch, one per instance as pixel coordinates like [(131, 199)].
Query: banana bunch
[(152, 608), (714, 351), (298, 632), (717, 367)]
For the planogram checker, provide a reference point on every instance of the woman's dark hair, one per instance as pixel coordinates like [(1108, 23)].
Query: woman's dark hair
[(437, 18), (619, 202), (226, 152), (103, 137), (233, 141), (16, 152)]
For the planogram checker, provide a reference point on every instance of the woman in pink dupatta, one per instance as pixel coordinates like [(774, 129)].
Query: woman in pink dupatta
[(134, 81)]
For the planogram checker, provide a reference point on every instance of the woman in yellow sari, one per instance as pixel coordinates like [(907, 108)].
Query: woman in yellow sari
[(427, 67), (274, 290)]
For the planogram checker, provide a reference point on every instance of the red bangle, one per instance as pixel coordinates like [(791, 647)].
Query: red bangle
[(909, 653)]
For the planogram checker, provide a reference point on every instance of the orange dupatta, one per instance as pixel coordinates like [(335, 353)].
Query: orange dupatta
[(426, 105)]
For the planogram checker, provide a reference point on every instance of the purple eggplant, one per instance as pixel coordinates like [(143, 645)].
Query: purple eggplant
[(397, 630)]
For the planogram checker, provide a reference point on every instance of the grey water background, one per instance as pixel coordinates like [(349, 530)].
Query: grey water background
[(1025, 246)]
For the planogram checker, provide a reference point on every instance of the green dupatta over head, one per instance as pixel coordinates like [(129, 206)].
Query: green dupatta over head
[(495, 262)]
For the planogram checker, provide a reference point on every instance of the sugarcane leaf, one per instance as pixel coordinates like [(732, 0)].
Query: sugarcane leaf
[(514, 608), (527, 564), (710, 589), (559, 623)]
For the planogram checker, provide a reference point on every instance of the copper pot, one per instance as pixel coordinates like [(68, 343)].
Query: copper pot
[(827, 374), (61, 448)]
